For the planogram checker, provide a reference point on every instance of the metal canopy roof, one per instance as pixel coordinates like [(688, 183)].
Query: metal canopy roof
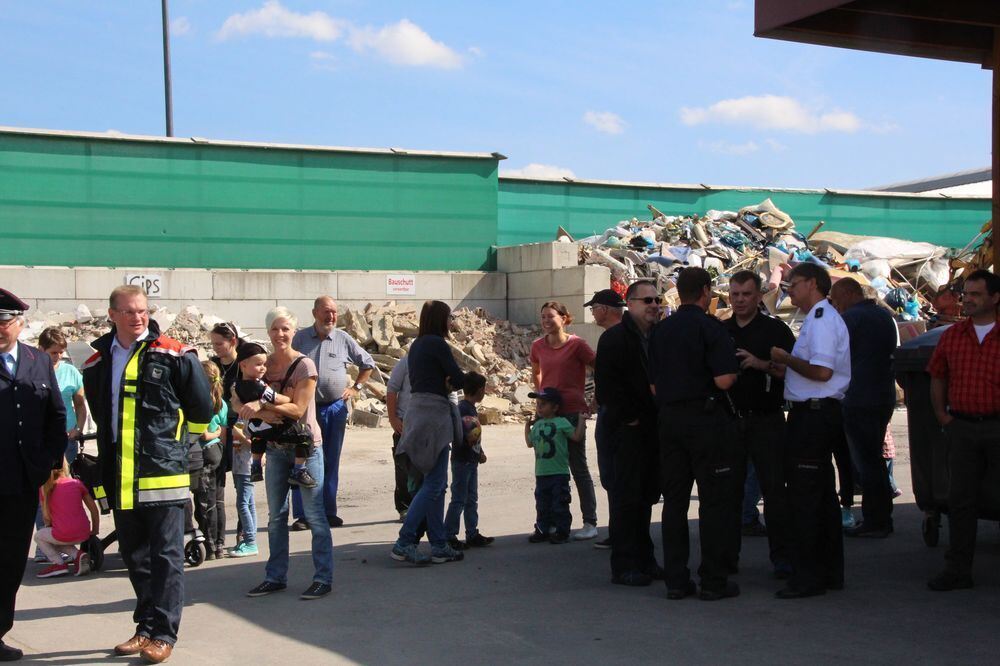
[(959, 30)]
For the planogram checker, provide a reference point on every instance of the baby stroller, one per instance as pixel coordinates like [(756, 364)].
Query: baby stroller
[(86, 468)]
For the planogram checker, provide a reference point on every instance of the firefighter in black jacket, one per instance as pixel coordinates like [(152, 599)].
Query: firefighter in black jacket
[(621, 380), (32, 442), (142, 388)]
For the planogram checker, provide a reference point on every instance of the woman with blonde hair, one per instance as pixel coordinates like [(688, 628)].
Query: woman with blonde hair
[(294, 375)]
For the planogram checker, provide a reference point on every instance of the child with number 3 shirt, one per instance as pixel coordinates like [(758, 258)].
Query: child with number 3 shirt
[(550, 435)]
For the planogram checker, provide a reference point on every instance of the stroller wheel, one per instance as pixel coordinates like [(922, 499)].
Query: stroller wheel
[(194, 553)]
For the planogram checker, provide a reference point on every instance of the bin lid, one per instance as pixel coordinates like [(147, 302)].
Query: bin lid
[(913, 355)]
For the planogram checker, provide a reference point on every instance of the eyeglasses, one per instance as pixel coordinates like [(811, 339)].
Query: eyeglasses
[(788, 286), (7, 322), (133, 313), (648, 300)]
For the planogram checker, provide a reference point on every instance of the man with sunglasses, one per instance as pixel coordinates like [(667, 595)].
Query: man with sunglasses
[(628, 417), (759, 396), (817, 375), (606, 307), (692, 363), (32, 443)]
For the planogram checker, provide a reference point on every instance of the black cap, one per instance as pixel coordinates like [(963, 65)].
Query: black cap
[(248, 349), (11, 306), (607, 297), (548, 394)]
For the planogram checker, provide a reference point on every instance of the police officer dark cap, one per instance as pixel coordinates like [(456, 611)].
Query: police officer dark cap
[(11, 306), (248, 349), (607, 297)]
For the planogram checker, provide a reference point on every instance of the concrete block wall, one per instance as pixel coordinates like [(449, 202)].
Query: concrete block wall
[(246, 296), (563, 280)]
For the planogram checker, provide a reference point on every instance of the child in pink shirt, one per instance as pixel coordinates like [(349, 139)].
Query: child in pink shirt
[(63, 499)]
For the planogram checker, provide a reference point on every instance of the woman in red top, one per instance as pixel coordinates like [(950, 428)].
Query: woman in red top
[(560, 360)]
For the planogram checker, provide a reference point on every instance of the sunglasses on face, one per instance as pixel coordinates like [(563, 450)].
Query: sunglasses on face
[(648, 300)]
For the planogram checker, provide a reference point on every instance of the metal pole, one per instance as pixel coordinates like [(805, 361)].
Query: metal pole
[(167, 95)]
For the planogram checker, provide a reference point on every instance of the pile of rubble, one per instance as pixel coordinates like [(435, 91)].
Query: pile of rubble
[(907, 276), (493, 347)]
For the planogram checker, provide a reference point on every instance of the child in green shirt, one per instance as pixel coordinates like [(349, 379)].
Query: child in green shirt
[(550, 435)]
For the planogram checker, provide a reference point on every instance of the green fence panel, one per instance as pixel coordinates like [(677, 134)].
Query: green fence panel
[(531, 211), (82, 201)]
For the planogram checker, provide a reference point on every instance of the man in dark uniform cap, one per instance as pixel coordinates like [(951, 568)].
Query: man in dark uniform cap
[(692, 362), (32, 443), (606, 307)]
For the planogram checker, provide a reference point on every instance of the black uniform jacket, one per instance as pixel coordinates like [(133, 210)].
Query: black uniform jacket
[(32, 422), (621, 378)]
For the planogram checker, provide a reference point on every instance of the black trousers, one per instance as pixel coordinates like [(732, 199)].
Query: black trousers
[(845, 472), (17, 522), (864, 428), (401, 493), (205, 505), (818, 539), (151, 541), (974, 450), (699, 444), (636, 488), (219, 525), (764, 439)]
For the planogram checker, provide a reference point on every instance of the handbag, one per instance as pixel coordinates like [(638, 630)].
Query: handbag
[(289, 432)]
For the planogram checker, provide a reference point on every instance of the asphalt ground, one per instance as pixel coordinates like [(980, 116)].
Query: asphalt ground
[(520, 602)]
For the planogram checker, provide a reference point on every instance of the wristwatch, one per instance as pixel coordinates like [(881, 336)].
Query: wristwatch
[(358, 386)]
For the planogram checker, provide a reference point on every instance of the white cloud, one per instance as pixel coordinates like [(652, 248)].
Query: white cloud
[(772, 112), (323, 60), (404, 43), (775, 146), (180, 26), (274, 20), (605, 121), (534, 170), (726, 148)]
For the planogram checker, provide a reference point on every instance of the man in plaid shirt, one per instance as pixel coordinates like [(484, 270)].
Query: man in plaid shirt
[(965, 392)]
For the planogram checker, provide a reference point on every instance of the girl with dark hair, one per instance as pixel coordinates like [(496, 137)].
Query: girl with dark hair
[(430, 425), (225, 339), (560, 360)]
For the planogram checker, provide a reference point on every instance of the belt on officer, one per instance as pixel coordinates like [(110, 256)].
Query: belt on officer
[(813, 403), (975, 418)]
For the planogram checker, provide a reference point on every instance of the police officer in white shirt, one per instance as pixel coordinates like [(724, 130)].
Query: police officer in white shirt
[(817, 374)]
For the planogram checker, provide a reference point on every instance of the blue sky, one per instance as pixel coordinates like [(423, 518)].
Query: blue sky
[(677, 91)]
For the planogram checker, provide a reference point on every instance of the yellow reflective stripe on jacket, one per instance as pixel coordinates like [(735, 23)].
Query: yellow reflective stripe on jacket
[(127, 430), (99, 492), (160, 482), (196, 428)]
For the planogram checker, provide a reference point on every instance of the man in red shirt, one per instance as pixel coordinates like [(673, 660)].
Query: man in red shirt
[(965, 393)]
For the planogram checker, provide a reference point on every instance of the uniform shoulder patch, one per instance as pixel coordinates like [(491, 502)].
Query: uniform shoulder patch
[(92, 361), (819, 313), (165, 345)]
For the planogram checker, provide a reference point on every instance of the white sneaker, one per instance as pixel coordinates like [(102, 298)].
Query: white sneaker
[(587, 532)]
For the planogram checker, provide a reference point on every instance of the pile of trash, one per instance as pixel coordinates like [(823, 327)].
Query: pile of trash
[(493, 347), (907, 276)]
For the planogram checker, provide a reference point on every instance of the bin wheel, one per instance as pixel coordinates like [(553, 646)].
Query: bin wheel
[(194, 553), (932, 529)]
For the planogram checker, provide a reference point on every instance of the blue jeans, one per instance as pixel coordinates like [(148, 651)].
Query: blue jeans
[(464, 499), (751, 496), (332, 420), (552, 499), (428, 503), (280, 463), (246, 509), (72, 449)]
